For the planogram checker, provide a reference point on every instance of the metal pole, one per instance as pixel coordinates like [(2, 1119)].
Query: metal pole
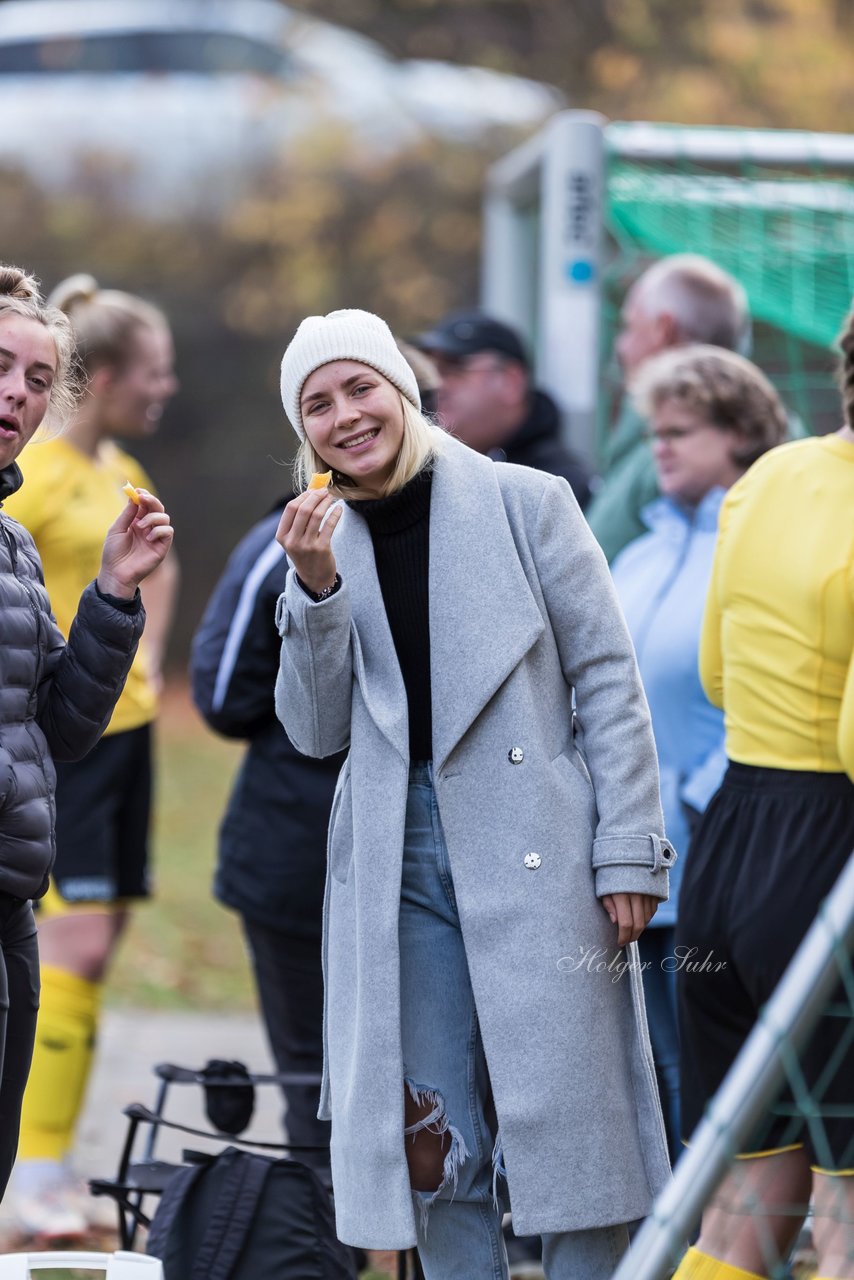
[(508, 272), (640, 140), (748, 1089), (572, 209)]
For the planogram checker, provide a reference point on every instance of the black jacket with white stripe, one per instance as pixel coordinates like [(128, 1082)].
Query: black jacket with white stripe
[(272, 844)]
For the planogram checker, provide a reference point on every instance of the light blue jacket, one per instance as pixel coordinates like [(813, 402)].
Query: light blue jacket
[(662, 579)]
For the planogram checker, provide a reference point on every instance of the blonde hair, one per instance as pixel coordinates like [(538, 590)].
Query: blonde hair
[(426, 374), (724, 388), (105, 321), (20, 295), (422, 442)]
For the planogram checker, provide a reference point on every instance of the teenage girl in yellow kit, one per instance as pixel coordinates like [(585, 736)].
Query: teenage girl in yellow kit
[(777, 653), (73, 490)]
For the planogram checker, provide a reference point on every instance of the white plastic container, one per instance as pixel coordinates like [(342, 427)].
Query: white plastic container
[(116, 1266)]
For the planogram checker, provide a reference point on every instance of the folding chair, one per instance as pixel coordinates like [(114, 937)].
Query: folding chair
[(141, 1176)]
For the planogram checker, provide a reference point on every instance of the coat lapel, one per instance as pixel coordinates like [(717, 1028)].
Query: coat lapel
[(374, 658), (483, 615)]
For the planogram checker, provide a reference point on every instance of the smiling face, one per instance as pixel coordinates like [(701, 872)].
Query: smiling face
[(27, 371), (353, 418), (131, 398), (692, 455)]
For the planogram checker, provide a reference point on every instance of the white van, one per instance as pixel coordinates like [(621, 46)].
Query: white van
[(174, 98)]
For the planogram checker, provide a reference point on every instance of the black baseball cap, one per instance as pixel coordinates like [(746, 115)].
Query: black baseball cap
[(463, 333)]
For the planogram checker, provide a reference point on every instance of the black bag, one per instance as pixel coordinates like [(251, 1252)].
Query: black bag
[(229, 1095), (240, 1216)]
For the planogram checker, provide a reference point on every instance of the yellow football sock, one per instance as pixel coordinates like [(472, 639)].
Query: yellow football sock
[(65, 1042), (701, 1266)]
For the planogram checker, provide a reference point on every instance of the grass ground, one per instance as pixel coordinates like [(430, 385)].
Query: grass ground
[(182, 949)]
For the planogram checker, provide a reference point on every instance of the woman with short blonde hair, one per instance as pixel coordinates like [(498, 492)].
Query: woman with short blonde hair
[(441, 614)]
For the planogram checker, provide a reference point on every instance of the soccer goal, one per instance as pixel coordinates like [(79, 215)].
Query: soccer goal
[(573, 215)]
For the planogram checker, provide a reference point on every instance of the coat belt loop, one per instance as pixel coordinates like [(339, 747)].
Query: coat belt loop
[(664, 855)]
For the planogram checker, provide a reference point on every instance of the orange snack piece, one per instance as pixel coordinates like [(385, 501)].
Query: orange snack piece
[(320, 480), (131, 492)]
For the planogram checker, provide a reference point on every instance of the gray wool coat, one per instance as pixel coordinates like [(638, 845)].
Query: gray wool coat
[(521, 612)]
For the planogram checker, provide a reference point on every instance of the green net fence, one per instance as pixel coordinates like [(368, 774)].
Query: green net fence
[(806, 1110), (753, 1197), (772, 1102), (786, 234)]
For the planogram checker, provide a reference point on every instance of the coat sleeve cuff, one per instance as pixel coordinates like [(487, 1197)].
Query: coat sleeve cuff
[(632, 864), (295, 608)]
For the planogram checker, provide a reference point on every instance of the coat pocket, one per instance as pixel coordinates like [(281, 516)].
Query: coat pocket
[(573, 771), (339, 846)]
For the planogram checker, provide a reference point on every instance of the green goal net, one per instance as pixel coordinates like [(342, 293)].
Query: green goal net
[(573, 215), (783, 227)]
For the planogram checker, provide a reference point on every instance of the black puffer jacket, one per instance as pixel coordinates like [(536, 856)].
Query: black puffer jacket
[(55, 698)]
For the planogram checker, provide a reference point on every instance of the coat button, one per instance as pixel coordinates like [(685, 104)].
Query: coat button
[(515, 755), (532, 861)]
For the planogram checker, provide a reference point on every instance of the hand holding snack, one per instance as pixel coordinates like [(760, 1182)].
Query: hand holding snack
[(320, 480), (131, 493), (306, 534), (135, 544)]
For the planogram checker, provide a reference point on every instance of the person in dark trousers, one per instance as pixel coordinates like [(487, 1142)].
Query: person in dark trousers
[(74, 488), (488, 400), (56, 696), (777, 655), (272, 840)]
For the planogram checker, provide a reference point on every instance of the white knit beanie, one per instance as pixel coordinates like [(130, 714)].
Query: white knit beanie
[(342, 335)]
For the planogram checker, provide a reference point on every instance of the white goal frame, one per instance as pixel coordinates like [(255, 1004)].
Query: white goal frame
[(544, 245)]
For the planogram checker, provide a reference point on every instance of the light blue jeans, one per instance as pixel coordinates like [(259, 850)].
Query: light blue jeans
[(459, 1226)]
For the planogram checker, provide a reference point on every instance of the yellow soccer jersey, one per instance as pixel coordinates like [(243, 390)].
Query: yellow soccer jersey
[(67, 502), (777, 650)]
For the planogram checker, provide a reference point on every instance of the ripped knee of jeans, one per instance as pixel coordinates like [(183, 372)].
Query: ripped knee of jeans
[(434, 1164)]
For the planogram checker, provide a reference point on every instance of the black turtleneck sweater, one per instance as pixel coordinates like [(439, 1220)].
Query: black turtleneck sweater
[(400, 531)]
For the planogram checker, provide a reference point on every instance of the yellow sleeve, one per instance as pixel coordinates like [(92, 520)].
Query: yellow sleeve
[(711, 653), (845, 739)]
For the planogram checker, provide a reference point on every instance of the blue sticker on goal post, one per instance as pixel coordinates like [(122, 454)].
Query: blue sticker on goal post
[(580, 271)]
